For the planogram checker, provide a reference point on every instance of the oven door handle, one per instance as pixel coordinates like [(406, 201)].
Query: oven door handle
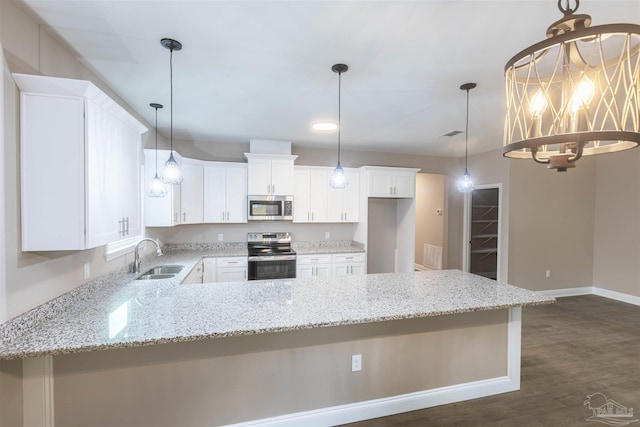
[(272, 258)]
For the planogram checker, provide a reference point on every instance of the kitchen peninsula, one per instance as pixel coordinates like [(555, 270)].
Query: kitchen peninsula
[(278, 350)]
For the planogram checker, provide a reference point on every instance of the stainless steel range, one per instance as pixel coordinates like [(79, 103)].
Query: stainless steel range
[(271, 256)]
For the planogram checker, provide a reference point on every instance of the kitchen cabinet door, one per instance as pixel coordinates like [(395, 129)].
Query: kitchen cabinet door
[(215, 194), (304, 271), (259, 176), (391, 182), (225, 193), (192, 194), (113, 177), (208, 270), (344, 204), (270, 174), (350, 264), (404, 184), (282, 177), (231, 269), (237, 194), (310, 195), (231, 274)]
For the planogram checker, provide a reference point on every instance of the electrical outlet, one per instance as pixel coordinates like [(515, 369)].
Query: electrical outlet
[(327, 235), (86, 271), (356, 362), (548, 274), (220, 237)]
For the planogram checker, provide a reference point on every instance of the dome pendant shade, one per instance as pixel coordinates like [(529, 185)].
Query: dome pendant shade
[(338, 178), (172, 173), (575, 94), (156, 187), (465, 184)]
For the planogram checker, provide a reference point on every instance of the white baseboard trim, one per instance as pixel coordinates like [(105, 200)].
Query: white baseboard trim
[(618, 296), (568, 292), (592, 290), (387, 406)]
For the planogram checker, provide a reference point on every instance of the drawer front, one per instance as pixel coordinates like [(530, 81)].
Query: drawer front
[(231, 262), (313, 259), (351, 257)]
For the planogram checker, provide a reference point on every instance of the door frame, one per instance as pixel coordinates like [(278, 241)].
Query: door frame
[(466, 230)]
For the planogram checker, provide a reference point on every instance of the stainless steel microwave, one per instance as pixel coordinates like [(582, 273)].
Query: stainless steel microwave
[(270, 208)]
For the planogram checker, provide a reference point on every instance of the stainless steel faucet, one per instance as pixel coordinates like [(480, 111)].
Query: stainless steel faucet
[(136, 261)]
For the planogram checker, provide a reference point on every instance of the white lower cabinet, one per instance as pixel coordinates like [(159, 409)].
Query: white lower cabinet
[(313, 266), (330, 265), (347, 264), (225, 269)]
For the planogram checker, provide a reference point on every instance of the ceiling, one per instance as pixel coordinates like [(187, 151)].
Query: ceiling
[(262, 69)]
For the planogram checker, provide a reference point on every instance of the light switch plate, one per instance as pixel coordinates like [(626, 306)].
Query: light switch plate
[(86, 271), (220, 237)]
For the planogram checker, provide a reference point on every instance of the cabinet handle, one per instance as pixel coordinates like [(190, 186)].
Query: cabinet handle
[(308, 216), (345, 216), (313, 216), (244, 275), (126, 222), (175, 217), (184, 216), (273, 188), (227, 215)]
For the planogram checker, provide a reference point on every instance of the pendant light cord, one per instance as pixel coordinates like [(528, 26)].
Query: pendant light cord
[(466, 135), (156, 141), (171, 96), (339, 104)]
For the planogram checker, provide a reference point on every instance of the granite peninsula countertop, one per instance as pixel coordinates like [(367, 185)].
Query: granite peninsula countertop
[(327, 247), (116, 311)]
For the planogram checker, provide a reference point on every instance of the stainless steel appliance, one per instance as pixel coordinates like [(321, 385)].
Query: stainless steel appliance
[(270, 256), (270, 208)]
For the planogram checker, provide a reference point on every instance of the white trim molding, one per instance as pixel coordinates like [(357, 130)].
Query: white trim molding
[(37, 392), (376, 408), (592, 290)]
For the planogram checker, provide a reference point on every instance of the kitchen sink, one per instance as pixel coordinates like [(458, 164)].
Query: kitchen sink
[(161, 272), (155, 276)]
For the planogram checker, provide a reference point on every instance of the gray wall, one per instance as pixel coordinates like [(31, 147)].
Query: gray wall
[(228, 380), (617, 223)]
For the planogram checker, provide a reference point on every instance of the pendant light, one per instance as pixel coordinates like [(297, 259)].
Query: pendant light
[(338, 179), (465, 185), (171, 173), (156, 186), (574, 94)]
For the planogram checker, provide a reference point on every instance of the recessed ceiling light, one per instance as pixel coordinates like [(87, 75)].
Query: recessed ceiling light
[(324, 126)]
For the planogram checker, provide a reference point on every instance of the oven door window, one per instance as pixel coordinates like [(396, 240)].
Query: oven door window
[(271, 270), (265, 208)]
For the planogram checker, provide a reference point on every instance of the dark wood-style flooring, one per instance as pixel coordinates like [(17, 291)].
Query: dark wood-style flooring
[(571, 349)]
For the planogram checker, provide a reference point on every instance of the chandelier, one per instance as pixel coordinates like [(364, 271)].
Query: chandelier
[(575, 94)]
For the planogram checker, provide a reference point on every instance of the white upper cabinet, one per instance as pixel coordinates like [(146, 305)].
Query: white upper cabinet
[(270, 174), (344, 204), (225, 192), (310, 194), (391, 182), (192, 192), (80, 165)]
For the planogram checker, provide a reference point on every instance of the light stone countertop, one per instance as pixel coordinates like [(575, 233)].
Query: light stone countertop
[(116, 311), (328, 247)]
